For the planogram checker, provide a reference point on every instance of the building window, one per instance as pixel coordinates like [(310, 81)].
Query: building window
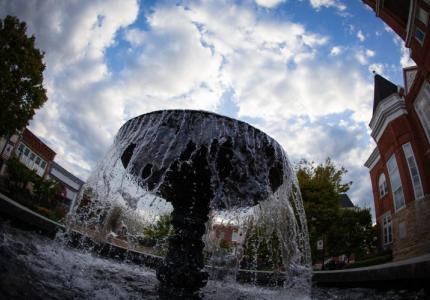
[(26, 151), (422, 107), (388, 230), (396, 183), (21, 147), (423, 16), (382, 183), (419, 35), (43, 165), (413, 171)]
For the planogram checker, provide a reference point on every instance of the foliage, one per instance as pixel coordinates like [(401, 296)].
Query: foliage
[(353, 233), (43, 192), (21, 72), (343, 231), (161, 229), (262, 250), (46, 188), (371, 261), (19, 175), (158, 234), (113, 219)]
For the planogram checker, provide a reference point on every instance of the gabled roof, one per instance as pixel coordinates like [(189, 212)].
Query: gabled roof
[(345, 202), (383, 89)]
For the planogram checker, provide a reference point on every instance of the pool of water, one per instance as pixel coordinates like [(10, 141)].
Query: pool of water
[(35, 267)]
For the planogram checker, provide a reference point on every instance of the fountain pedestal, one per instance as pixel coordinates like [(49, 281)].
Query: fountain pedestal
[(187, 187)]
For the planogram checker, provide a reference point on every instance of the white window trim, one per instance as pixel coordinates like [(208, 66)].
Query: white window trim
[(411, 20), (384, 188), (383, 229), (422, 12), (31, 163), (424, 35), (410, 171), (396, 209), (422, 94)]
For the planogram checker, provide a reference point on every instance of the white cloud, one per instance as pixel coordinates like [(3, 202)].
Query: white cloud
[(269, 3), (309, 90), (188, 58), (345, 142), (362, 55), (405, 59), (336, 50), (317, 4), (370, 53), (360, 36), (74, 36), (377, 68)]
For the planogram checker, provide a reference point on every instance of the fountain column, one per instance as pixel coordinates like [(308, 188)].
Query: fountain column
[(188, 189)]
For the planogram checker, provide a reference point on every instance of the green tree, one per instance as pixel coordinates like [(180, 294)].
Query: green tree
[(353, 234), (18, 174), (46, 189), (343, 231), (262, 249), (21, 73), (321, 186), (162, 228)]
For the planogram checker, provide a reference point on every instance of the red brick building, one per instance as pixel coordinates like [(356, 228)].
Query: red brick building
[(410, 20), (30, 150), (400, 164)]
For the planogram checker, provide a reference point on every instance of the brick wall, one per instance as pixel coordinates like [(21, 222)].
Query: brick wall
[(411, 230)]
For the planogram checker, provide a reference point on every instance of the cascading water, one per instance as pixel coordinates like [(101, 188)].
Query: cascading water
[(207, 171)]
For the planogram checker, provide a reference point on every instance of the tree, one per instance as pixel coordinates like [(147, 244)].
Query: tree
[(46, 189), (321, 186), (21, 73), (19, 174), (353, 234), (262, 249), (161, 230)]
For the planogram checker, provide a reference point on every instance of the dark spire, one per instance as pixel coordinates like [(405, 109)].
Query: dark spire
[(383, 89), (345, 202)]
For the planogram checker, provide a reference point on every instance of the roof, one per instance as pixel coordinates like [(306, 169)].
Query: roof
[(345, 202), (383, 89), (66, 173), (36, 144)]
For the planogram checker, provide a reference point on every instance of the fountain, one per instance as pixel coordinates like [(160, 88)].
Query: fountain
[(195, 162)]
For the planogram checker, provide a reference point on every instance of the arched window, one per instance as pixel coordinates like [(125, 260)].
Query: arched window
[(382, 183)]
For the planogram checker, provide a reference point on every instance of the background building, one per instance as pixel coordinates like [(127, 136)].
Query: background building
[(410, 20), (30, 150), (345, 202), (71, 185), (36, 155)]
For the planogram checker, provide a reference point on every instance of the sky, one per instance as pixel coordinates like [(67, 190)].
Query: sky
[(300, 70)]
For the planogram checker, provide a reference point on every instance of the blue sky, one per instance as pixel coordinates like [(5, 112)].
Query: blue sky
[(299, 70)]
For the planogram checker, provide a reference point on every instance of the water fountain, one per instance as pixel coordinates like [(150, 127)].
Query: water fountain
[(194, 166), (195, 162)]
